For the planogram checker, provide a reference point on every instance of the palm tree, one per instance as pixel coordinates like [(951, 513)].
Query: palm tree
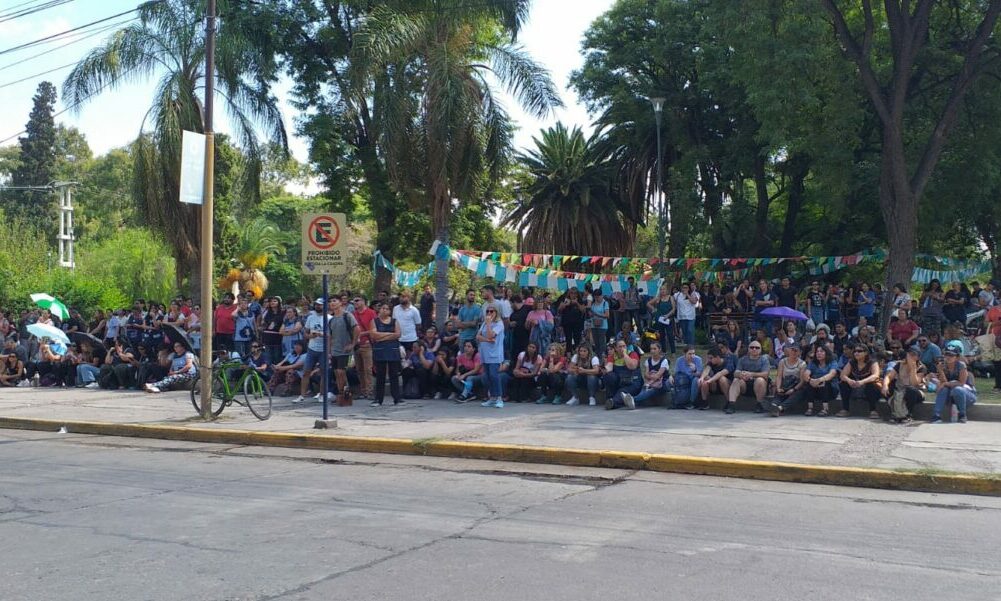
[(570, 204), (257, 242), (450, 141), (168, 42)]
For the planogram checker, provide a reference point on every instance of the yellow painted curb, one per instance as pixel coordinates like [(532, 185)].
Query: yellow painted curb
[(971, 484)]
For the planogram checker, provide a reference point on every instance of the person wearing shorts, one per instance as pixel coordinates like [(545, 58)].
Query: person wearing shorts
[(750, 379), (313, 332)]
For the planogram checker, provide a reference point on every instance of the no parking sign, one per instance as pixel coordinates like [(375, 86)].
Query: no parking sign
[(324, 244)]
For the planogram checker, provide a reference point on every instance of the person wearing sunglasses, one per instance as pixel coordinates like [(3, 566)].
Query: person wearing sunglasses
[(490, 336), (860, 378), (751, 378)]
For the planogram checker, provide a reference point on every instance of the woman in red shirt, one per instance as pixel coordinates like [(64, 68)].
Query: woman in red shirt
[(224, 324)]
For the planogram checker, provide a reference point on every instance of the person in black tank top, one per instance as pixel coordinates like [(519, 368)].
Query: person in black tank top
[(860, 378)]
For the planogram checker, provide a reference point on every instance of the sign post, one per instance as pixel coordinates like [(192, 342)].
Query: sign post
[(324, 252)]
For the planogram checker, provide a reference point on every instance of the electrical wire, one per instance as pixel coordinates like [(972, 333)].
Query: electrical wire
[(17, 14), (58, 36), (88, 36)]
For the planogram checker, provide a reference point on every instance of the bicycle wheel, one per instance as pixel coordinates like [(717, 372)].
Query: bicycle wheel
[(218, 403), (257, 396)]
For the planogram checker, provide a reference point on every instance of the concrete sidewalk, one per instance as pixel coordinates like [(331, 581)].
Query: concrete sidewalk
[(970, 448)]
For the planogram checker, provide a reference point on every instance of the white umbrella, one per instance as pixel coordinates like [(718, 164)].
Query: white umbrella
[(53, 304), (44, 330)]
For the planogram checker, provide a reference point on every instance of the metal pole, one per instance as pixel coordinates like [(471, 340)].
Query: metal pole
[(208, 208), (325, 366)]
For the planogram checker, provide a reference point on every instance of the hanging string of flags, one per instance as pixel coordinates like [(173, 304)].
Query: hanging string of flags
[(544, 270)]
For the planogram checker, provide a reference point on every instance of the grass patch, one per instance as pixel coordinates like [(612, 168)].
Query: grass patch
[(423, 444)]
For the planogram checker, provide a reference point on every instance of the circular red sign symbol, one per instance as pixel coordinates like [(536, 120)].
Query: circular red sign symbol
[(323, 233)]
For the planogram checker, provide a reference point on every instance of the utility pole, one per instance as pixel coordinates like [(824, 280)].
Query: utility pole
[(207, 212)]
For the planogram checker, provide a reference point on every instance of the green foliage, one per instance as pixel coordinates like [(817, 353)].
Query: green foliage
[(135, 262), (36, 164)]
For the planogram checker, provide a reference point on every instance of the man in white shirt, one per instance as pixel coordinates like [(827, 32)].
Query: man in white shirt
[(313, 332), (409, 318)]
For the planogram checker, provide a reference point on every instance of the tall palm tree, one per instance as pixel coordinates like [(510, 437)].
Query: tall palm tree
[(451, 140), (168, 42), (257, 241), (570, 204)]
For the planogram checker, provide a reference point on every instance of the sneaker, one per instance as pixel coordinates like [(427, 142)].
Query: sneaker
[(330, 397), (24, 384), (399, 402), (542, 401), (151, 388), (438, 396), (758, 408), (843, 413), (318, 396), (776, 411), (462, 398), (573, 401), (557, 400), (92, 385), (629, 401), (610, 400), (935, 419), (453, 396), (488, 403), (499, 404), (592, 402), (375, 404), (962, 418), (729, 410), (298, 399)]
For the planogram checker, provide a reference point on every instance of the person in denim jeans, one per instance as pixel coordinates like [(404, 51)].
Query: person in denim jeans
[(687, 371), (953, 384), (656, 371), (490, 336), (622, 375), (583, 369)]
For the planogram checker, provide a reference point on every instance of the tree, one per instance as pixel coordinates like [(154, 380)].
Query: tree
[(36, 166), (568, 205), (910, 153), (168, 41), (450, 142)]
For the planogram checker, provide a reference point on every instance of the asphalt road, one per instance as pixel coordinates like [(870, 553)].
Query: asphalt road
[(90, 518)]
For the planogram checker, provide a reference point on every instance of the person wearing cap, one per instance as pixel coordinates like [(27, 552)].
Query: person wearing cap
[(954, 384), (790, 381), (313, 333), (902, 385)]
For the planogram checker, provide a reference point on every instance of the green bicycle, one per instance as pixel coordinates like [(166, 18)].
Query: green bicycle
[(256, 394)]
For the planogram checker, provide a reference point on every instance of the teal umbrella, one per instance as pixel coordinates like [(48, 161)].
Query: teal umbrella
[(53, 304)]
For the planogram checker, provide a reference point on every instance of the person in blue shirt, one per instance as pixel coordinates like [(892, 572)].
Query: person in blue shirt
[(182, 370), (468, 319), (687, 371), (599, 321), (259, 361), (490, 337), (930, 352), (763, 299), (246, 328), (867, 303)]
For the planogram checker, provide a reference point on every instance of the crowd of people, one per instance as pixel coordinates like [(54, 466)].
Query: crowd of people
[(501, 345)]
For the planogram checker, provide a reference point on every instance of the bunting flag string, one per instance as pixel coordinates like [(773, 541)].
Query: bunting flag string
[(405, 279)]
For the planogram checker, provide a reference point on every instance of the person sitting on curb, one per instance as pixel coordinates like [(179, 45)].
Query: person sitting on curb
[(553, 377), (182, 370), (791, 380), (715, 376), (657, 380), (467, 368), (822, 373), (622, 375), (860, 378), (288, 371), (584, 369), (953, 384), (902, 385), (687, 370), (751, 378)]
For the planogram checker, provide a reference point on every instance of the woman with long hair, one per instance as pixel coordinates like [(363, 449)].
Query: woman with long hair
[(384, 332), (663, 309), (822, 373), (860, 378)]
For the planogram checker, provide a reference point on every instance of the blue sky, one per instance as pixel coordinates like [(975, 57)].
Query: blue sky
[(114, 117)]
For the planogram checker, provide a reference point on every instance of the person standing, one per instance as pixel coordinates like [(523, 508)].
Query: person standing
[(468, 319), (245, 327), (687, 302), (363, 354), (631, 300), (409, 319), (520, 330), (426, 307), (663, 310), (384, 332), (490, 337), (271, 325), (599, 321), (344, 333), (224, 324), (313, 332)]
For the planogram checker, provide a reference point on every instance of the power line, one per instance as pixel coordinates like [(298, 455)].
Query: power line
[(95, 33), (30, 77), (59, 35), (11, 15)]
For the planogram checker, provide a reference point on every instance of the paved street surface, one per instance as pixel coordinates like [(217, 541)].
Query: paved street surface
[(93, 518), (859, 442)]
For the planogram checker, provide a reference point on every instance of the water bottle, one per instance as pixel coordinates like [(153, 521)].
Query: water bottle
[(955, 413)]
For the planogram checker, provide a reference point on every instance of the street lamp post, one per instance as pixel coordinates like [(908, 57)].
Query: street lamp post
[(658, 108)]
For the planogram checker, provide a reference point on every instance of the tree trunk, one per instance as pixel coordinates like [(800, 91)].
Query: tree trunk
[(900, 213), (798, 167), (761, 242), (385, 207), (441, 283)]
